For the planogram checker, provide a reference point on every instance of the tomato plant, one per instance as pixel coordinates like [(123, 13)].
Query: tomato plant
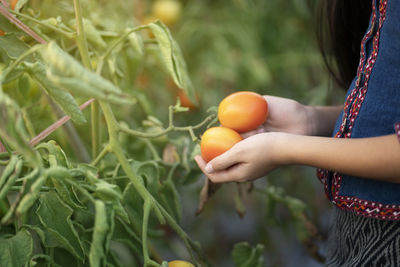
[(243, 111), (217, 140)]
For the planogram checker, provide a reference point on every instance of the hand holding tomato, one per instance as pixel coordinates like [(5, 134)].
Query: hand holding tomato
[(285, 115), (247, 160)]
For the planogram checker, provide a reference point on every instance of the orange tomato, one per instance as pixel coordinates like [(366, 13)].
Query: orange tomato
[(185, 101), (217, 140), (13, 3), (179, 263), (2, 33), (243, 111), (183, 97)]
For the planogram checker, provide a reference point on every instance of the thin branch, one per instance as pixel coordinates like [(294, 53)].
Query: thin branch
[(21, 25), (170, 128), (67, 34), (56, 125)]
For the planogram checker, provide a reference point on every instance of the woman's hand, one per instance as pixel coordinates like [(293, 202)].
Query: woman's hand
[(374, 157), (289, 116), (285, 115), (249, 159)]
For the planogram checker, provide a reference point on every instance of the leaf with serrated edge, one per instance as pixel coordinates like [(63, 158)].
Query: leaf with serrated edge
[(55, 215), (246, 256), (17, 250)]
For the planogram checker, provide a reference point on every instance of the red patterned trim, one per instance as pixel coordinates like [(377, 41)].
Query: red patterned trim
[(368, 208), (397, 130), (351, 109)]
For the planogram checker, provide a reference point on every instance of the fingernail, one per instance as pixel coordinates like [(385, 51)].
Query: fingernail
[(209, 168)]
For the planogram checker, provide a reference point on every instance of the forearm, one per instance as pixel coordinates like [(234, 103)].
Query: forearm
[(322, 119), (375, 158)]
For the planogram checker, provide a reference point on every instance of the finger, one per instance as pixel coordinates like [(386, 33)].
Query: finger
[(200, 162), (259, 130), (225, 160), (226, 175)]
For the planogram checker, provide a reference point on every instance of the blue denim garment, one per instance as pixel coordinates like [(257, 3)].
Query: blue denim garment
[(380, 109)]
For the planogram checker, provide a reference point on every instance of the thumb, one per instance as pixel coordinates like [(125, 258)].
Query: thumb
[(223, 161)]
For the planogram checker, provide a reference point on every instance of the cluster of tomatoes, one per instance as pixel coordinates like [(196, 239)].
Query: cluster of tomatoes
[(238, 113)]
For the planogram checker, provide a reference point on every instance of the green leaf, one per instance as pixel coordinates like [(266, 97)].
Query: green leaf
[(133, 204), (107, 191), (92, 34), (11, 180), (42, 259), (61, 97), (66, 72), (17, 250), (12, 46), (7, 26), (20, 4), (150, 172), (170, 199), (137, 43), (246, 256), (124, 234), (55, 216), (12, 129), (173, 58)]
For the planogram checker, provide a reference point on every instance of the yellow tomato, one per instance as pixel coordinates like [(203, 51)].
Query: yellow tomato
[(168, 11), (179, 263)]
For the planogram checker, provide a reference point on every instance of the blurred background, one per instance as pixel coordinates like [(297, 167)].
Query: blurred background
[(268, 47)]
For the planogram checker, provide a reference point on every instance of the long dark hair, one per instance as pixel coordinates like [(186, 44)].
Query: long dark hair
[(341, 25)]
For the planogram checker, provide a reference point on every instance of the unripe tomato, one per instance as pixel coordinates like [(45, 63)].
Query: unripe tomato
[(243, 111), (168, 11), (217, 140), (179, 263)]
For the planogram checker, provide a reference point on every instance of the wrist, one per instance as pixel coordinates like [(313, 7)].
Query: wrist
[(282, 148), (310, 120)]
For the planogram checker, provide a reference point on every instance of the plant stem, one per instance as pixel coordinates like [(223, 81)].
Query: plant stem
[(84, 52), (115, 44), (69, 35), (80, 35), (56, 125), (152, 149), (102, 154), (95, 128), (170, 128), (146, 214), (21, 25)]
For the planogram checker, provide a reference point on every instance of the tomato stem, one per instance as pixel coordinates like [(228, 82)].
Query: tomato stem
[(68, 34)]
